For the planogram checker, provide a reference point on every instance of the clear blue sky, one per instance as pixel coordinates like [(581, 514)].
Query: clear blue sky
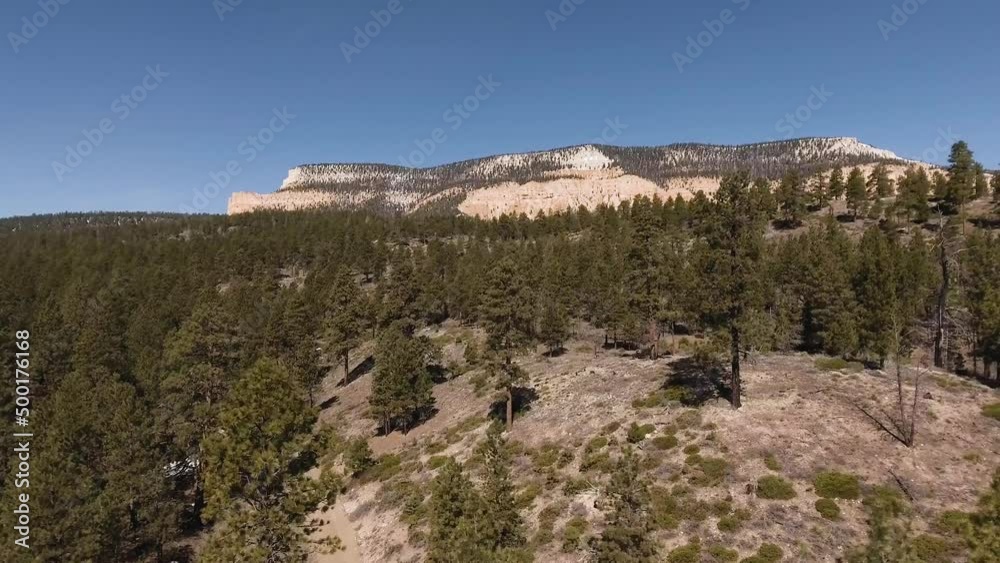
[(608, 59)]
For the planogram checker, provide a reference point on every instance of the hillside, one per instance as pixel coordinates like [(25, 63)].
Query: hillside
[(548, 181), (703, 460)]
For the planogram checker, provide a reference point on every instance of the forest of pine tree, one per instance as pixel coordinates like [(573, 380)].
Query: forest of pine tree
[(177, 360)]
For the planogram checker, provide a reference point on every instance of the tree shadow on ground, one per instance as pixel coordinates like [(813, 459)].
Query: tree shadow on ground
[(407, 426), (328, 403), (439, 374), (986, 223), (523, 399), (555, 353), (359, 371), (695, 382)]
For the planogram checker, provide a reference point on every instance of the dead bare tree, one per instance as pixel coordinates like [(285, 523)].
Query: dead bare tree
[(901, 421)]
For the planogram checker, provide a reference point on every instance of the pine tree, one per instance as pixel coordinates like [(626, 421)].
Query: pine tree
[(401, 392), (343, 324), (914, 190), (641, 277), (880, 185), (458, 529), (982, 186), (265, 424), (507, 316), (732, 259), (553, 327), (961, 176), (792, 198), (628, 533), (506, 527), (828, 309), (820, 190), (875, 287), (857, 193), (837, 185), (106, 496)]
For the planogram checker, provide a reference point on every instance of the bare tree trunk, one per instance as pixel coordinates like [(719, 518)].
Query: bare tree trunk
[(510, 407), (942, 303), (734, 349)]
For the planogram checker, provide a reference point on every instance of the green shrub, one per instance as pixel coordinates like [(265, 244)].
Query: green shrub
[(733, 520), (838, 364), (385, 468), (713, 472), (358, 456), (688, 419), (884, 502), (690, 553), (770, 552), (691, 449), (574, 487), (545, 456), (435, 448), (934, 549), (772, 487), (830, 484), (679, 394), (722, 554), (437, 461), (610, 428), (600, 461), (547, 521), (595, 444), (528, 495), (952, 523), (665, 442), (828, 509), (664, 509), (651, 401), (638, 433), (771, 463), (992, 411), (572, 533), (729, 524)]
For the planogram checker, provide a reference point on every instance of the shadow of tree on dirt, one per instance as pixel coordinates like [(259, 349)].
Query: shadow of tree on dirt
[(358, 372), (523, 399), (694, 382)]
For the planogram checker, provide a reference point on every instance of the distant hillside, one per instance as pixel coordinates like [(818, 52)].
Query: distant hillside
[(552, 180)]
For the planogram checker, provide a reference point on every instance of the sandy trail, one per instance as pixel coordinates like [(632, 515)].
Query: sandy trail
[(336, 523)]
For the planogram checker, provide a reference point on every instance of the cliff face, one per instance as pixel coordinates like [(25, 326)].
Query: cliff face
[(587, 175)]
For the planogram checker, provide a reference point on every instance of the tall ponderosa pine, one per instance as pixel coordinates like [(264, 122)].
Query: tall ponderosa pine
[(819, 190), (401, 392), (642, 274), (343, 324), (792, 198), (962, 172), (880, 184), (914, 190), (734, 242), (837, 186), (857, 193), (507, 315), (875, 286)]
